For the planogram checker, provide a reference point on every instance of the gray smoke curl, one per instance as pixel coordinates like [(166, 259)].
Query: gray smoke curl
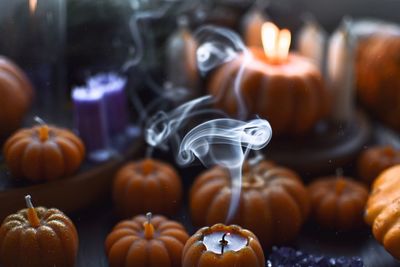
[(225, 142)]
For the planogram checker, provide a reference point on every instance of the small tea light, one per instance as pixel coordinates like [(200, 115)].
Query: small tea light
[(222, 245)]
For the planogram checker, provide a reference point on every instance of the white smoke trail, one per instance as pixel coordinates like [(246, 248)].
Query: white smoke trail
[(164, 126), (225, 142), (218, 45)]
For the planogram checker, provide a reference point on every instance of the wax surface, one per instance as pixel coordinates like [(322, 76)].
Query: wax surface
[(90, 118), (295, 65), (234, 242)]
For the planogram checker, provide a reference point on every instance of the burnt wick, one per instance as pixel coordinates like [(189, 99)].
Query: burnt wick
[(223, 242)]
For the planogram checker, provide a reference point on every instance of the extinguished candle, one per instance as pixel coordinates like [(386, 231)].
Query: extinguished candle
[(112, 87), (223, 246), (221, 242), (90, 118)]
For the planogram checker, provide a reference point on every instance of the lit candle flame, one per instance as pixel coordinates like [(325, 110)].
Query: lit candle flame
[(276, 42), (32, 6)]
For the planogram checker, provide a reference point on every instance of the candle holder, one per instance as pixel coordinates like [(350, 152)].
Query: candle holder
[(328, 147)]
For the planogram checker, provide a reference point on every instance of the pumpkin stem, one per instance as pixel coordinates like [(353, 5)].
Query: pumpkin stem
[(148, 227), (32, 214), (147, 166), (43, 129), (223, 242)]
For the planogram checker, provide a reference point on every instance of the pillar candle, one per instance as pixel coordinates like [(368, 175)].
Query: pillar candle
[(340, 72), (112, 87), (311, 43), (90, 118)]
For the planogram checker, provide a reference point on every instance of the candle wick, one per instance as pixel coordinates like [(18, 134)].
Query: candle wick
[(149, 215), (28, 201), (223, 242), (148, 227), (39, 120), (31, 213)]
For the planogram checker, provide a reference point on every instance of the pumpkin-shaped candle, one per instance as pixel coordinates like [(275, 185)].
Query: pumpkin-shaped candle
[(273, 204), (383, 210), (338, 202), (146, 242), (147, 185), (43, 153), (376, 159), (16, 95), (223, 246), (285, 88), (378, 69), (38, 237)]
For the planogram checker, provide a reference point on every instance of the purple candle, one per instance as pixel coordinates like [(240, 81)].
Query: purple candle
[(112, 86), (90, 118)]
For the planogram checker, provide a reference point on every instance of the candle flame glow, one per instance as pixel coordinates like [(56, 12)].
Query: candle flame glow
[(276, 42), (33, 6)]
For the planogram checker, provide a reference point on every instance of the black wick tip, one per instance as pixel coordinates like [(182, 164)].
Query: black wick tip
[(223, 242)]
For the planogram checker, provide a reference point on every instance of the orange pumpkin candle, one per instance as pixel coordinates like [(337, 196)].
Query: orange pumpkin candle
[(284, 88), (377, 72), (374, 160), (338, 202), (38, 237), (382, 211), (223, 246), (147, 185), (146, 242), (43, 153), (16, 95), (273, 204)]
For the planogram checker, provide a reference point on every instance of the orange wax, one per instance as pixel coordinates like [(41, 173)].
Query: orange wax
[(145, 185), (373, 161), (45, 237), (290, 93), (134, 242), (340, 185), (337, 202), (263, 182), (223, 246), (43, 153)]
